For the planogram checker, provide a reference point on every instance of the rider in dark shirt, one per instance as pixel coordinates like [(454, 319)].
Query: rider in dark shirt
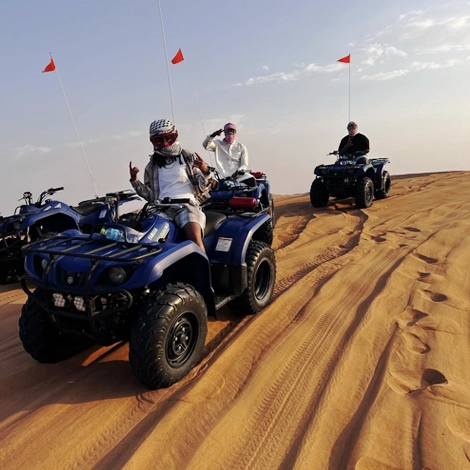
[(353, 142)]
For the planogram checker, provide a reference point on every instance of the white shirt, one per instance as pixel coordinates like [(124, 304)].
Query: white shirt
[(174, 182), (228, 157)]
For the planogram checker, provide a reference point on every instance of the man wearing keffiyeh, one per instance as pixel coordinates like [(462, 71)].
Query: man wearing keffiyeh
[(175, 173)]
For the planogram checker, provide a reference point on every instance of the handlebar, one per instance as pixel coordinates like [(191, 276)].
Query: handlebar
[(353, 154), (28, 197), (151, 207), (49, 192)]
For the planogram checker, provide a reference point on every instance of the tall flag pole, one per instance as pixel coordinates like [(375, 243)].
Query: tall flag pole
[(347, 60), (167, 65), (176, 60), (51, 68)]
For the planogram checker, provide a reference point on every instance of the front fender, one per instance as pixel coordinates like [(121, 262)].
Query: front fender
[(58, 215), (184, 262)]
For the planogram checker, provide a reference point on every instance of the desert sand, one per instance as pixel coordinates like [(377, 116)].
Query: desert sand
[(360, 362)]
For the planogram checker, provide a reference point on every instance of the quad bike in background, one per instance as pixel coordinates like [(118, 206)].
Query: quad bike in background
[(354, 176), (33, 220), (139, 280)]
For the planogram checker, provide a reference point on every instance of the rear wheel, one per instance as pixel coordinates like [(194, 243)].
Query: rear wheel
[(319, 194), (364, 193), (261, 275), (387, 185), (271, 210), (41, 339), (265, 233), (168, 336)]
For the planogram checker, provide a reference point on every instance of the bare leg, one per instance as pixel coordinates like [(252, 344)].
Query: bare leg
[(192, 231)]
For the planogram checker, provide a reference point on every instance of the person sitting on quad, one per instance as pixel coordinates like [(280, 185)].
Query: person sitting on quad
[(354, 143), (231, 156), (175, 173)]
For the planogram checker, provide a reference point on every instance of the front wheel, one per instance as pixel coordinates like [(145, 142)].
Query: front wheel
[(364, 193), (168, 336), (319, 193), (387, 185), (41, 339), (261, 275)]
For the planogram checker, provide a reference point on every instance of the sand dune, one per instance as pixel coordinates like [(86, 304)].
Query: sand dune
[(360, 362)]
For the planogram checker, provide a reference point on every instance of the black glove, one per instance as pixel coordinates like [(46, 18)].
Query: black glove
[(238, 173), (217, 133)]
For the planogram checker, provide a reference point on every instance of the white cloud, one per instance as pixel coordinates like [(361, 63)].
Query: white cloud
[(27, 149), (116, 137), (435, 65), (301, 71), (135, 133), (84, 142), (458, 23), (445, 48), (411, 13), (380, 51), (439, 30), (385, 75)]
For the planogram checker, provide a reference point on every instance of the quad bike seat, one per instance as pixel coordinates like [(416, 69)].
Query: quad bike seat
[(213, 220)]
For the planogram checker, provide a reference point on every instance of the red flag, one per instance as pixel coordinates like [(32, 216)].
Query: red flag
[(346, 59), (50, 66), (178, 57)]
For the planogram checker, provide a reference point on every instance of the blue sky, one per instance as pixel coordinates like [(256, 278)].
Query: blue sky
[(269, 67)]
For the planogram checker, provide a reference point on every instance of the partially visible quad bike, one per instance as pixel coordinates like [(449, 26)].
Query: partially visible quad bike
[(33, 220), (138, 280), (354, 176), (250, 184)]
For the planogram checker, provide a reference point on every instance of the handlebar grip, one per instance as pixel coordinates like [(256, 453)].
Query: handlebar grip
[(57, 189)]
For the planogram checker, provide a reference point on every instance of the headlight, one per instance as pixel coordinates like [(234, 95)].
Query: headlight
[(117, 276), (44, 264), (79, 304), (59, 300)]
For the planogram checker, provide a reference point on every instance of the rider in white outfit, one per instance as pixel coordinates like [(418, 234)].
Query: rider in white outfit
[(230, 155)]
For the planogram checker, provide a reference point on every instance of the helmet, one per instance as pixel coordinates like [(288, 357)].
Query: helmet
[(163, 133)]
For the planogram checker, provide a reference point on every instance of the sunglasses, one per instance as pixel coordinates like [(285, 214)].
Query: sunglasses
[(230, 131), (166, 139)]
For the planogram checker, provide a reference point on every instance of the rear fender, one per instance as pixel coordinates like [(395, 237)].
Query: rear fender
[(379, 185), (229, 243), (8, 225), (380, 168)]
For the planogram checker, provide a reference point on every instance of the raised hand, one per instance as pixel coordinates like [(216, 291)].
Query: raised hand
[(133, 170), (217, 133), (201, 164)]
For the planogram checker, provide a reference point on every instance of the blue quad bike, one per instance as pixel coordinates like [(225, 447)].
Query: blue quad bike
[(138, 280), (253, 184), (354, 176), (32, 220)]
